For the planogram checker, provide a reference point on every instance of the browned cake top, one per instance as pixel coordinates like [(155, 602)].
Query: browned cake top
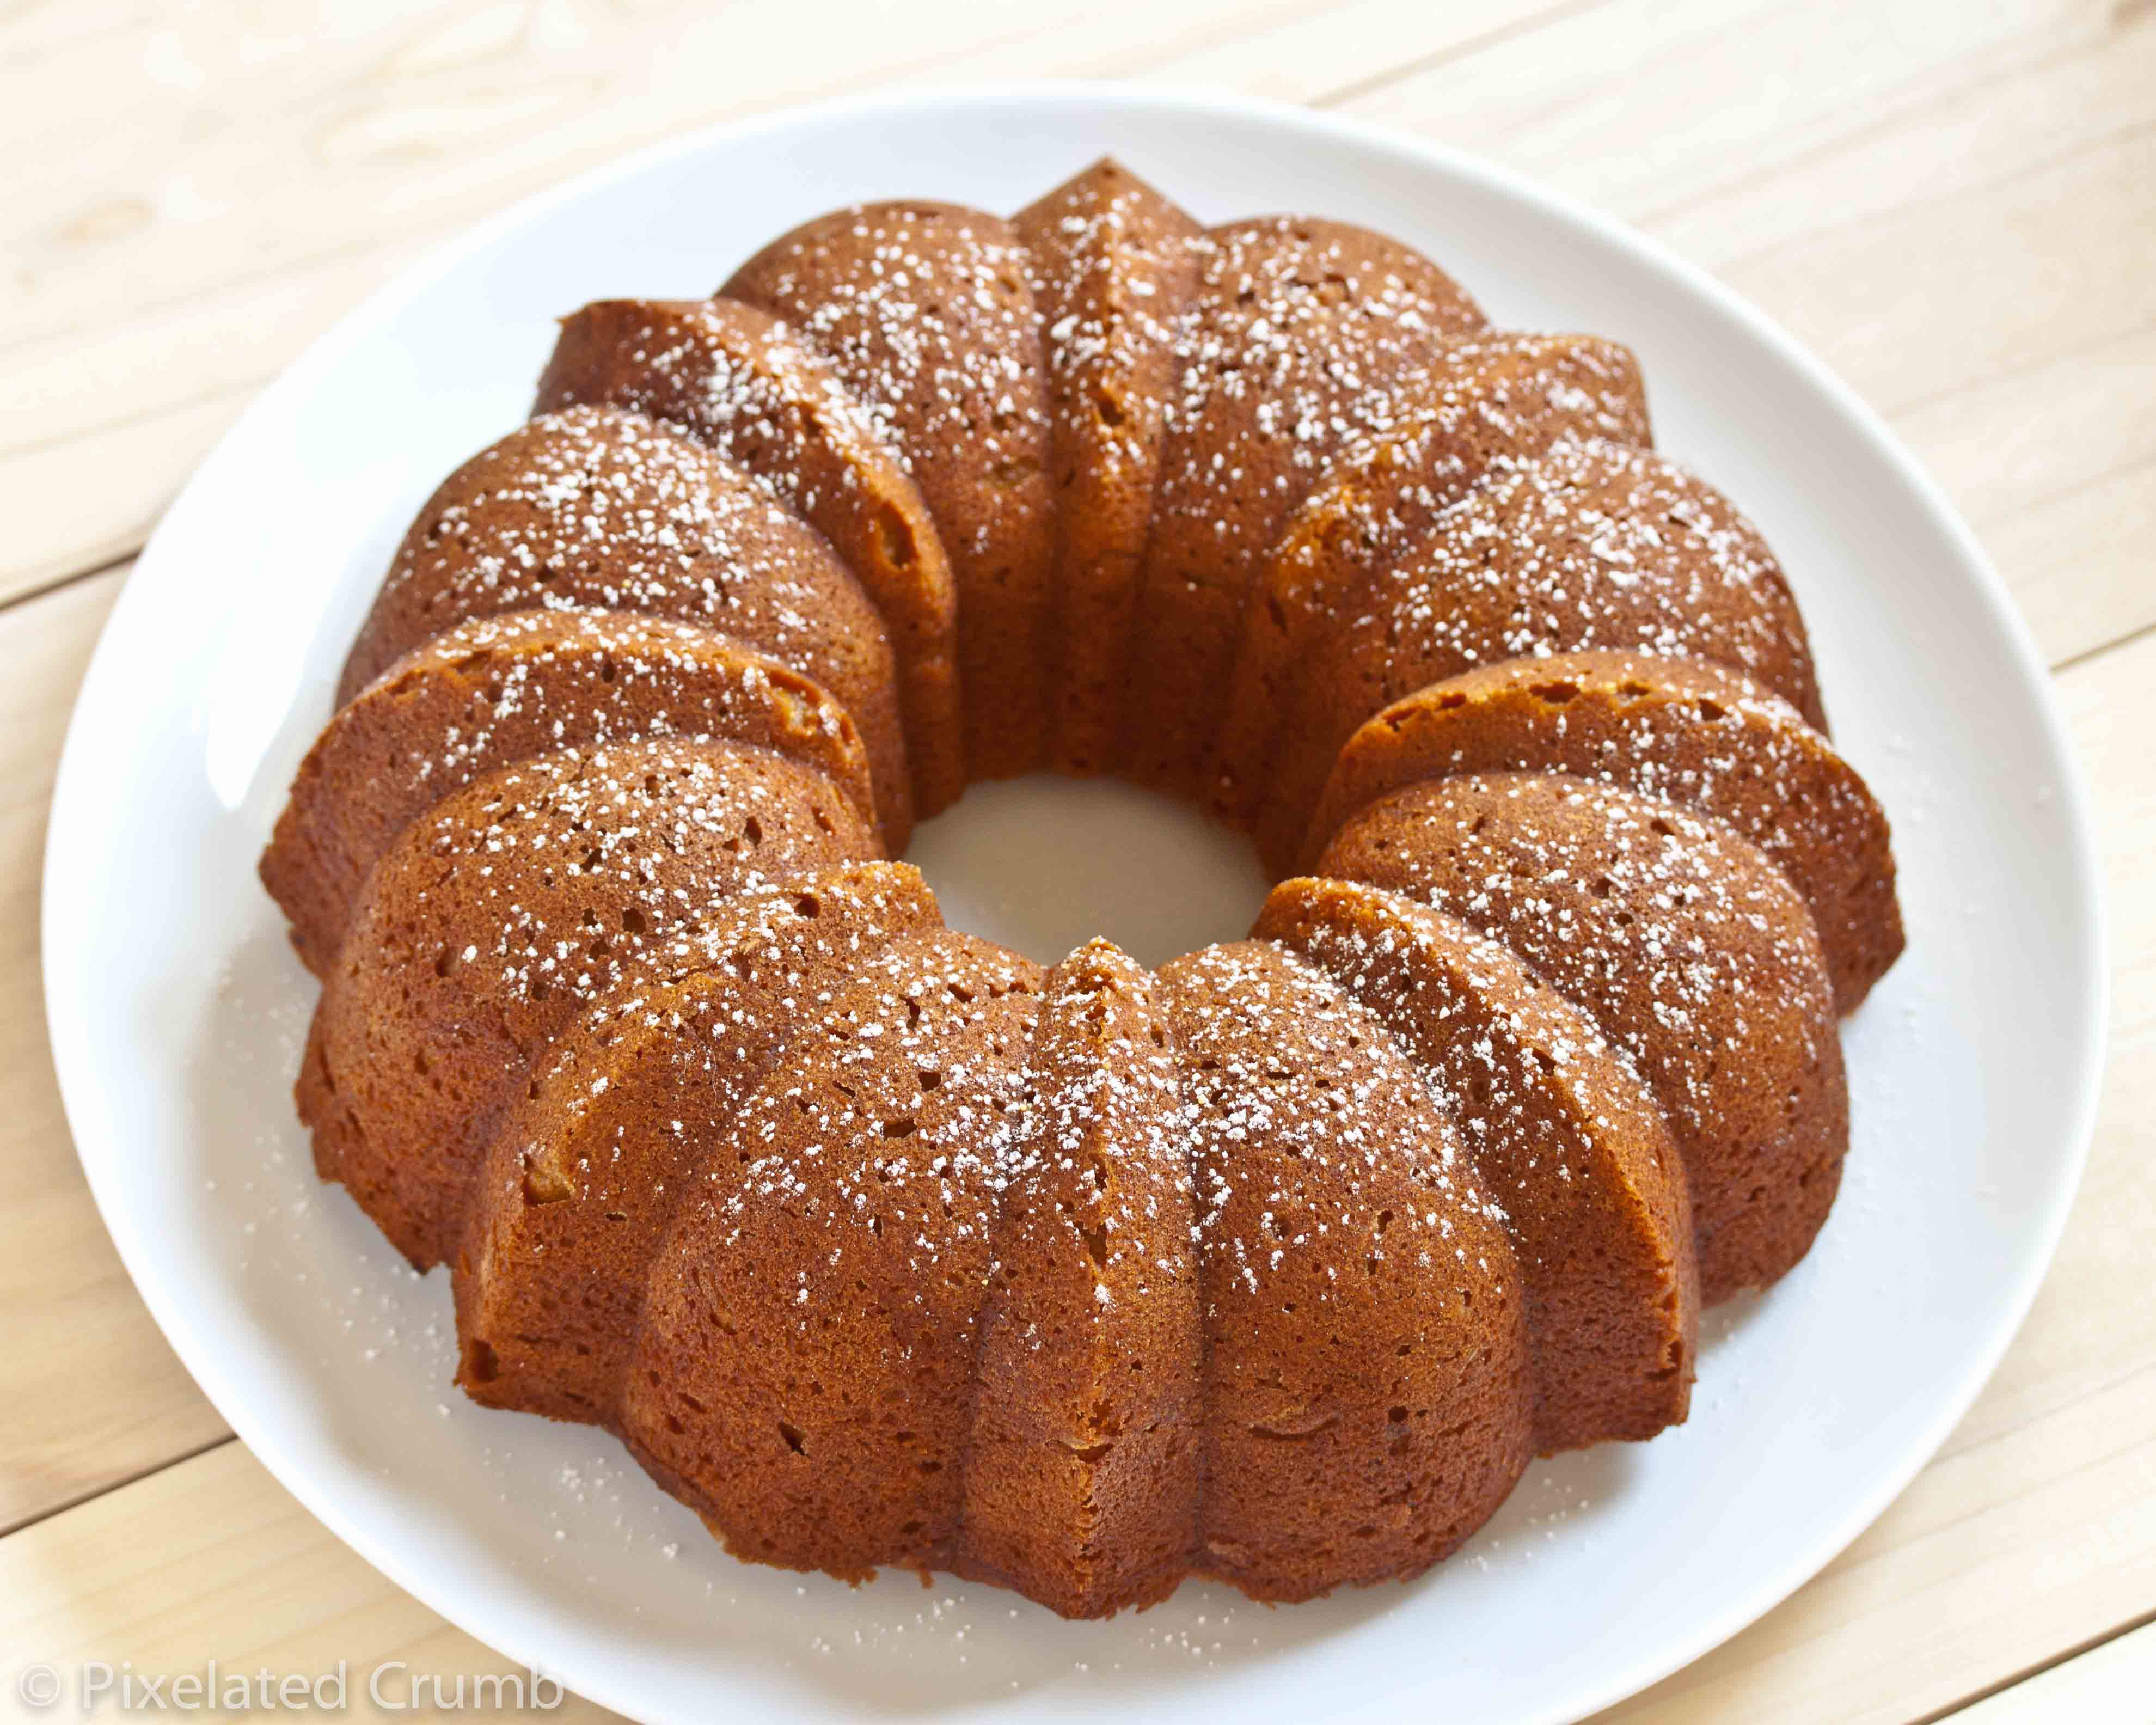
[(1305, 334), (493, 918), (1344, 1237), (620, 1111), (925, 309), (1115, 268), (1592, 545), (1081, 1484), (494, 691), (914, 1051), (1126, 1091), (556, 873), (777, 950), (1562, 1132), (1332, 922), (1503, 395), (737, 379), (1518, 854), (1596, 544), (1308, 335), (1691, 949), (1276, 1048), (596, 507), (1683, 729), (806, 1365), (1109, 262), (1500, 399), (732, 374), (507, 663)]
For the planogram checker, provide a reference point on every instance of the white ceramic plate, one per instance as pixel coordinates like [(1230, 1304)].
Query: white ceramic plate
[(176, 1010)]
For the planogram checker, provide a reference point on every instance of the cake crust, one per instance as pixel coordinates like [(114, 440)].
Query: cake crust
[(924, 310), (499, 690), (740, 382), (1567, 1140), (882, 1246), (1688, 949), (804, 1373), (585, 1168), (1365, 1392), (1595, 545), (1082, 1479), (1681, 729), (488, 923), (1115, 272), (1306, 334), (1503, 398)]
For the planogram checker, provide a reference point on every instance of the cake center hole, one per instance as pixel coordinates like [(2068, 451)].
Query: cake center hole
[(1044, 864)]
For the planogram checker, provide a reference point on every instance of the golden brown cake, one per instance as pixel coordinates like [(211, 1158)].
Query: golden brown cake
[(1681, 729), (493, 916), (744, 384), (1567, 1140), (805, 1373), (1502, 398), (1082, 1485), (490, 693), (1595, 545), (595, 509), (1690, 951), (580, 1179), (1305, 336), (1115, 272), (1366, 1376), (925, 310), (882, 1246)]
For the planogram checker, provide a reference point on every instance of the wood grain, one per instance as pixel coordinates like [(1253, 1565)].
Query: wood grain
[(1901, 186), (2115, 1681), (1950, 204), (245, 175), (212, 1560), (90, 1393)]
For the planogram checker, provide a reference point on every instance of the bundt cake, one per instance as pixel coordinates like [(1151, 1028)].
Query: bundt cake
[(880, 1245)]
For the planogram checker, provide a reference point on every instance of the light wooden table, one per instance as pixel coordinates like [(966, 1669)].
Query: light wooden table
[(1954, 203)]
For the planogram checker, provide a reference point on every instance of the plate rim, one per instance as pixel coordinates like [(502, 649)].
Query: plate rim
[(67, 1024)]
